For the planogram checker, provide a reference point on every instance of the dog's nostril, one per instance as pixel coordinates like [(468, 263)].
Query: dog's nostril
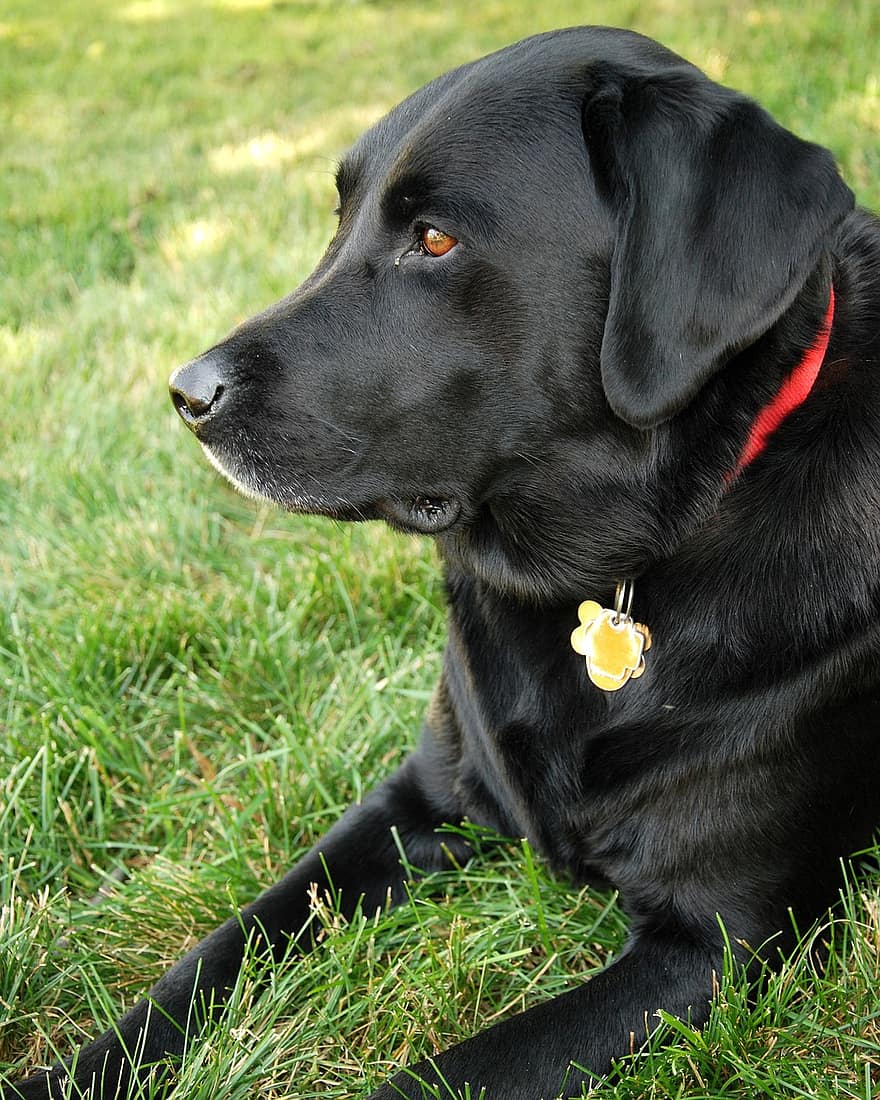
[(197, 389), (195, 406)]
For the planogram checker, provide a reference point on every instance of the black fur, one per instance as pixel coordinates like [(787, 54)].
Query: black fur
[(559, 400)]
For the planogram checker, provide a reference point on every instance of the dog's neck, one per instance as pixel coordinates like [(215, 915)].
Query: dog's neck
[(612, 643)]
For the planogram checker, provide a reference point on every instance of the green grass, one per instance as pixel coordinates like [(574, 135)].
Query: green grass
[(190, 686)]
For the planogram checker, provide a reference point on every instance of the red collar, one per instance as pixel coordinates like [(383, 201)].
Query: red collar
[(795, 390)]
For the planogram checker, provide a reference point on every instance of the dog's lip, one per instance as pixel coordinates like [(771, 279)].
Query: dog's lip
[(423, 514)]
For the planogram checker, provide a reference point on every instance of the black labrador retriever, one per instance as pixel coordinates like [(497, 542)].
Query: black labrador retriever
[(611, 336)]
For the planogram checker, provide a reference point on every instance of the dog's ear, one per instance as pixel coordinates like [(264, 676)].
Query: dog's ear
[(721, 215)]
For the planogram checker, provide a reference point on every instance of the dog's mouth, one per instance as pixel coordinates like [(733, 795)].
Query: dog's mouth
[(421, 514)]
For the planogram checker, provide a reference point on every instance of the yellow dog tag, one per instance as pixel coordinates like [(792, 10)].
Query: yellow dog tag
[(613, 645)]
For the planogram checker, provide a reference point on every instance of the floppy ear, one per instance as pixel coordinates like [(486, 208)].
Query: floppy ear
[(721, 216)]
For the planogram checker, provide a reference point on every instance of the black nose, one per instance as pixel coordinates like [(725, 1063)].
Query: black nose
[(197, 389)]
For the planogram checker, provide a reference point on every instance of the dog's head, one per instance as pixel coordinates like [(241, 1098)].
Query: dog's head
[(551, 268)]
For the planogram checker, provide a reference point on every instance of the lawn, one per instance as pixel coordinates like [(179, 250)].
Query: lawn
[(191, 685)]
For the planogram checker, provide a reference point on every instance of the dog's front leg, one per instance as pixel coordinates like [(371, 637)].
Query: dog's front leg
[(359, 859), (556, 1047)]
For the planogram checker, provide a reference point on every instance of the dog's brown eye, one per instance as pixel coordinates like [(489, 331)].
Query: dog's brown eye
[(435, 242)]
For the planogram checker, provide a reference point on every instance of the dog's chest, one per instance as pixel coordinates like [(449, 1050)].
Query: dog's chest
[(531, 732)]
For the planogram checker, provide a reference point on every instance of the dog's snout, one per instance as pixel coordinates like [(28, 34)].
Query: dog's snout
[(197, 390)]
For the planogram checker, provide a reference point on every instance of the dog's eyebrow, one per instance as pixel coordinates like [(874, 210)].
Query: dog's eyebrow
[(404, 193), (413, 193), (347, 176)]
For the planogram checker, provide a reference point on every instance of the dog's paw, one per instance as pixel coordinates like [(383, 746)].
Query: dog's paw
[(39, 1086)]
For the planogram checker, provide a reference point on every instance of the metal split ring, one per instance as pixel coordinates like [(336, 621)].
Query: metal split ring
[(623, 596)]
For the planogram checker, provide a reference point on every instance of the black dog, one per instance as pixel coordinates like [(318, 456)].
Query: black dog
[(588, 319)]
